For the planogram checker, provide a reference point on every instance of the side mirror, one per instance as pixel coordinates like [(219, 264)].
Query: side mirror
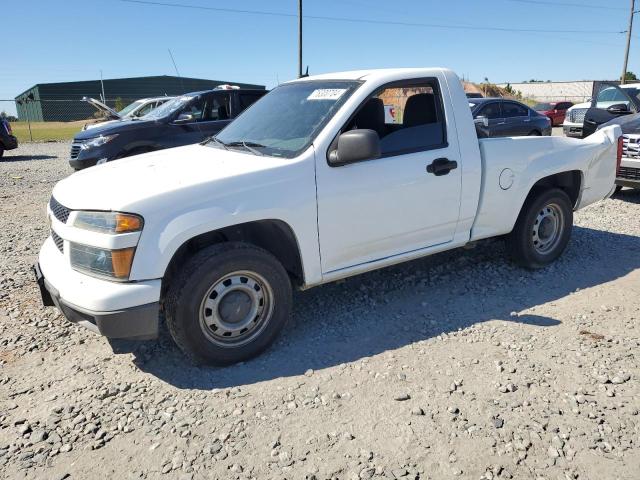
[(618, 108), (482, 121), (355, 146), (183, 118)]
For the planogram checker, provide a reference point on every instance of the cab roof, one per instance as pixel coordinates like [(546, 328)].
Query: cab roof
[(374, 74)]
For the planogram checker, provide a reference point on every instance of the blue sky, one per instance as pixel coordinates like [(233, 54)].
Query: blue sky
[(67, 40)]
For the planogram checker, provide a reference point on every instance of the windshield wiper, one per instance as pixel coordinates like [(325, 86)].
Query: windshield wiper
[(251, 146), (214, 139)]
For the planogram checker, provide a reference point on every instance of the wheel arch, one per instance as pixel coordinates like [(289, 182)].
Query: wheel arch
[(275, 236), (569, 181)]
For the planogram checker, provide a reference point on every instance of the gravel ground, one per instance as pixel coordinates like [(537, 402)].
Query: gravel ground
[(455, 366)]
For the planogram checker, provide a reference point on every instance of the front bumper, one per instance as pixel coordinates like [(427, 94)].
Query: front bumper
[(570, 130), (9, 142), (115, 310), (629, 173), (79, 158)]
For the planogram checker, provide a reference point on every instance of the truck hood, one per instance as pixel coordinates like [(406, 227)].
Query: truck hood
[(116, 126), (154, 180), (101, 107)]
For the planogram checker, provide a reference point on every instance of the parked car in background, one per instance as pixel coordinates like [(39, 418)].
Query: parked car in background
[(136, 109), (308, 186), (8, 141), (500, 117), (183, 120), (555, 111), (629, 170), (618, 99)]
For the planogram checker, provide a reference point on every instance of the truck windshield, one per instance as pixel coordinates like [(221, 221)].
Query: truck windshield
[(543, 107), (284, 122)]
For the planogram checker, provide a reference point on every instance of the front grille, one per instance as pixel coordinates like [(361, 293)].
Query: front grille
[(629, 173), (631, 146), (58, 241), (577, 115), (75, 150), (59, 211)]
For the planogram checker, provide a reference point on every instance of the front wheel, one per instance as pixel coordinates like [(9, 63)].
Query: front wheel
[(542, 230), (228, 303)]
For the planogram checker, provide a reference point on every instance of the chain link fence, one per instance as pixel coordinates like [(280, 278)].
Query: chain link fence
[(38, 120)]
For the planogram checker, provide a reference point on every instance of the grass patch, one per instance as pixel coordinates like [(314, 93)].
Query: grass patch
[(46, 131)]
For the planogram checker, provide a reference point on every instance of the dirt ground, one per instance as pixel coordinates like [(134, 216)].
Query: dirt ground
[(455, 366)]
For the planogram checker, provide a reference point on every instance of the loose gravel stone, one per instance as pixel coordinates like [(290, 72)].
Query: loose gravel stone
[(504, 373)]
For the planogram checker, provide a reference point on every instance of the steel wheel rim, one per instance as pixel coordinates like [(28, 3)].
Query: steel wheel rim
[(547, 228), (236, 309)]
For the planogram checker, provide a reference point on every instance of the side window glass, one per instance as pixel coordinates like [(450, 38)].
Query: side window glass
[(491, 111), (514, 110), (407, 118), (146, 109), (217, 107), (195, 109)]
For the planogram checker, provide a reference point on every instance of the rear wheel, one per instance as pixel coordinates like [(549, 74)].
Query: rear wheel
[(542, 230), (228, 303), (534, 133)]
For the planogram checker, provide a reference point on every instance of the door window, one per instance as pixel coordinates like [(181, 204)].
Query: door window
[(146, 109), (217, 107), (491, 111), (408, 117), (194, 109), (511, 110)]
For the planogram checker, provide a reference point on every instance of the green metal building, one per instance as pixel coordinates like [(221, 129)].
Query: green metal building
[(62, 102)]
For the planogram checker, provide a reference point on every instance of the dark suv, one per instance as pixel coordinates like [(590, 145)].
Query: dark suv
[(186, 119), (7, 140)]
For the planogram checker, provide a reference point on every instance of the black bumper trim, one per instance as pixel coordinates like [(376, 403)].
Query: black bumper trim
[(626, 182), (139, 323)]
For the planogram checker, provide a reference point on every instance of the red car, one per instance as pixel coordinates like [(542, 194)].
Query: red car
[(554, 110)]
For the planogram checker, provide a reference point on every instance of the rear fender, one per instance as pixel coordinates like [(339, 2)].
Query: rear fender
[(513, 166)]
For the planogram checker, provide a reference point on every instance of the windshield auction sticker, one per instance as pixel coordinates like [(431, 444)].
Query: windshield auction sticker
[(326, 94)]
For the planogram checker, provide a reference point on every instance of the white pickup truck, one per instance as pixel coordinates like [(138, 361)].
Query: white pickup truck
[(309, 185)]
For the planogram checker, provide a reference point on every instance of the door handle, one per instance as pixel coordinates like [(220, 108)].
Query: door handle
[(441, 166)]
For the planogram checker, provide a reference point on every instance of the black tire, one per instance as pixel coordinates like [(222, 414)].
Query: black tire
[(528, 244), (534, 133), (191, 293), (1, 151)]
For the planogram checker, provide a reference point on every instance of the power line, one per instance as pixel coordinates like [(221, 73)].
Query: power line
[(566, 4), (366, 21)]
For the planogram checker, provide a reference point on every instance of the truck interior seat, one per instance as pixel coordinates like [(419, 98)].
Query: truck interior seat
[(419, 110), (371, 116)]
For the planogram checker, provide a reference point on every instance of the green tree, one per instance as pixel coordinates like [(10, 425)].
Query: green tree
[(630, 76), (119, 104)]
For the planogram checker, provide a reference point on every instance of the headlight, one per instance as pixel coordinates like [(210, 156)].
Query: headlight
[(108, 222), (98, 141), (115, 264)]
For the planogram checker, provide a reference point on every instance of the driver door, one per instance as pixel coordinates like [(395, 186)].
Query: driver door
[(608, 102), (388, 206)]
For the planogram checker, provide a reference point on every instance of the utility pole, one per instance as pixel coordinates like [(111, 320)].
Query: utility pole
[(104, 98), (626, 54), (299, 38)]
